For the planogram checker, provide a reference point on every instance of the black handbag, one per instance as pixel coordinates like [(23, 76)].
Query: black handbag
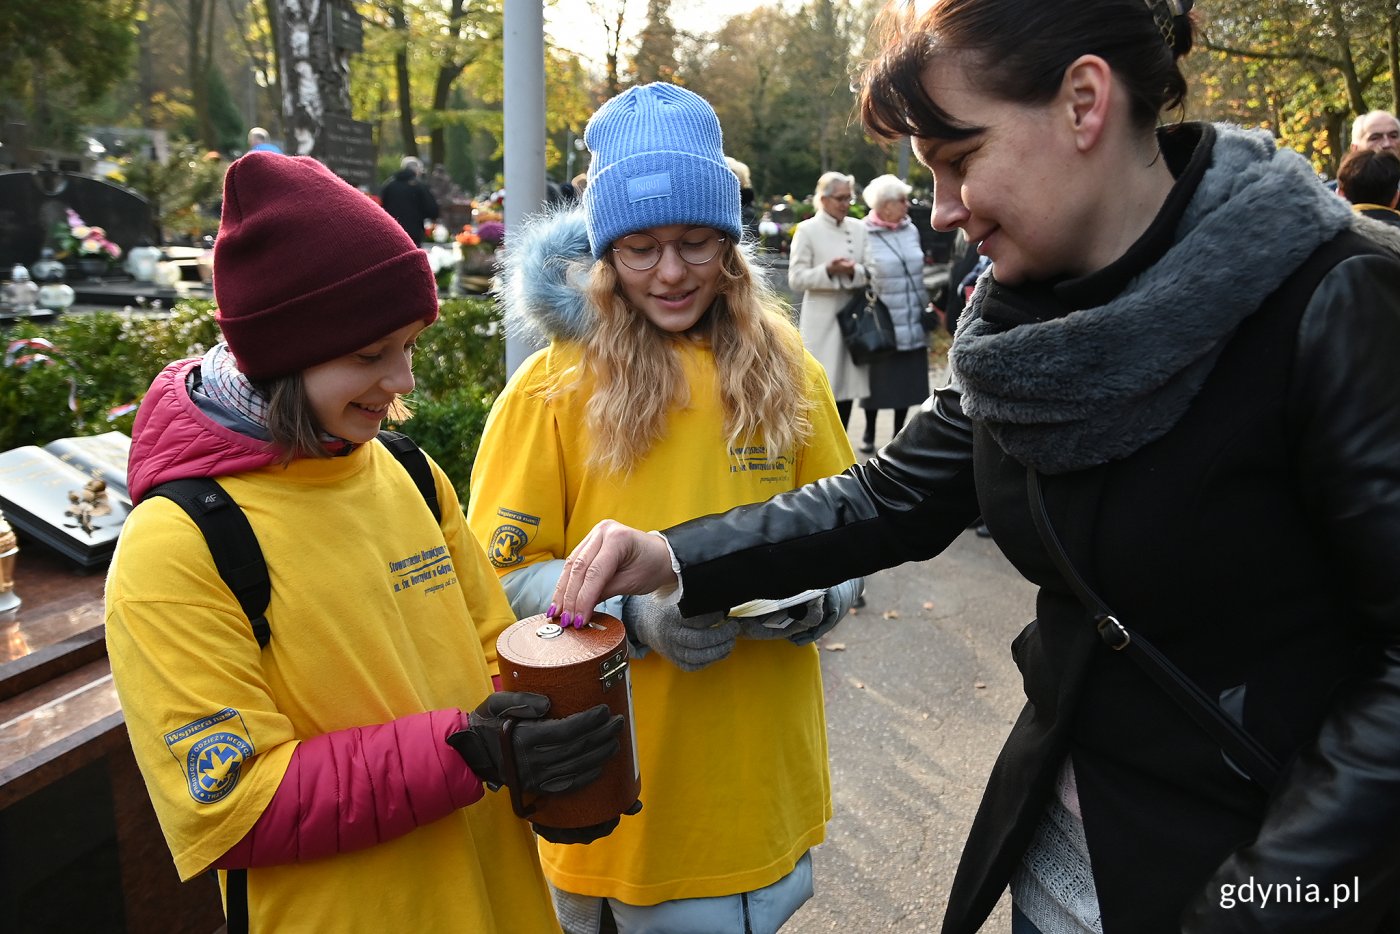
[(866, 327), (1243, 751)]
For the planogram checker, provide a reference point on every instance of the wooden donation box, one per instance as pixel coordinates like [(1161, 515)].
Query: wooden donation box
[(577, 669)]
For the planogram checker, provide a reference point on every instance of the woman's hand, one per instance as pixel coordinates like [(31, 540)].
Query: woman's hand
[(841, 266), (612, 559)]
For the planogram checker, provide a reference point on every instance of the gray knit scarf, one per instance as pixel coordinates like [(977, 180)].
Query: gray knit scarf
[(1097, 384)]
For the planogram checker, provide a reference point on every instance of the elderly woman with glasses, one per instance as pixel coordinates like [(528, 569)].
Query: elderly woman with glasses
[(673, 384), (828, 262)]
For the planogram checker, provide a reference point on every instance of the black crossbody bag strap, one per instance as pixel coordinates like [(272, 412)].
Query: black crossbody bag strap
[(905, 266), (1247, 753)]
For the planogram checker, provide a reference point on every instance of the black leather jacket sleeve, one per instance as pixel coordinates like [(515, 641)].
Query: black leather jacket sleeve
[(1334, 822), (906, 504)]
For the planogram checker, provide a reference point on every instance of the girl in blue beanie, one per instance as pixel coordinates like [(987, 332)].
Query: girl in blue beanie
[(673, 384)]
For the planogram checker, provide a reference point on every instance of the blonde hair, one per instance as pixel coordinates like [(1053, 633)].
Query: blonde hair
[(740, 170), (635, 372)]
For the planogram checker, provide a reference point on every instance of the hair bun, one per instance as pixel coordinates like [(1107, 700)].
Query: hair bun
[(1173, 18)]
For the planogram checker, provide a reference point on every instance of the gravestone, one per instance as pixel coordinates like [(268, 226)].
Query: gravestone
[(347, 148), (32, 202)]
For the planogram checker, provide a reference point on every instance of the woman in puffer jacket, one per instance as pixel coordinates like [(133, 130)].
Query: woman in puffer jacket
[(898, 381)]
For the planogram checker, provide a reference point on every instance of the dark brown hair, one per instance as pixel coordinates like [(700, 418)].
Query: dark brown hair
[(1019, 50), (1369, 177)]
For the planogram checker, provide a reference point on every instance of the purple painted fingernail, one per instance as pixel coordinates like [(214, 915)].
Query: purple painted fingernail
[(553, 611), (567, 620)]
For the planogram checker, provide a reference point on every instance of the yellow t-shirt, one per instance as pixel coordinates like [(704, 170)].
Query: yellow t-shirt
[(374, 616), (733, 757)]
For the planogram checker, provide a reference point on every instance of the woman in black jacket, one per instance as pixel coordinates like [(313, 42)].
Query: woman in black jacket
[(1182, 368)]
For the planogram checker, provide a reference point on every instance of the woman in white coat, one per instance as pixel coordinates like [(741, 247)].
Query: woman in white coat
[(827, 264)]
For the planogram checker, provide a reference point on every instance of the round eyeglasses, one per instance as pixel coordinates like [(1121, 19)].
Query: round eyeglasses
[(697, 246)]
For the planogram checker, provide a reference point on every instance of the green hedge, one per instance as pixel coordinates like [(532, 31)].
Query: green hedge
[(102, 363)]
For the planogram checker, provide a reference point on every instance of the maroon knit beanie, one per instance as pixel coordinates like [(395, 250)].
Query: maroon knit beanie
[(307, 269)]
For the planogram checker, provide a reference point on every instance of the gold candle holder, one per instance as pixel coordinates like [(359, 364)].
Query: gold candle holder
[(9, 552)]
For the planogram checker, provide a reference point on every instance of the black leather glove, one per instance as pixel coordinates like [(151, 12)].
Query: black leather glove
[(550, 755), (583, 834)]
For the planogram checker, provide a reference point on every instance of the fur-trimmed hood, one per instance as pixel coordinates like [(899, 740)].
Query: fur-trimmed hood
[(543, 273)]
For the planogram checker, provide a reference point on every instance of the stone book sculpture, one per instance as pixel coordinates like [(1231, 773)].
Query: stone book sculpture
[(69, 495)]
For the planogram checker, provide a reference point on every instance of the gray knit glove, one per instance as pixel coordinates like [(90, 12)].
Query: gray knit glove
[(688, 642), (839, 600), (810, 620), (783, 624)]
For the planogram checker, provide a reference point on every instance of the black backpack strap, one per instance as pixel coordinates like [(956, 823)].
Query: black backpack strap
[(416, 463), (236, 901), (232, 543)]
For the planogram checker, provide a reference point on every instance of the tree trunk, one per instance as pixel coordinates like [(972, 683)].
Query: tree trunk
[(145, 78), (1347, 62), (442, 87), (1392, 48), (304, 52), (273, 70), (405, 89), (200, 11), (43, 113)]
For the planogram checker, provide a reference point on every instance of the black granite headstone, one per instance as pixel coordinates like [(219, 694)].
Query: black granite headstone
[(32, 202), (347, 148)]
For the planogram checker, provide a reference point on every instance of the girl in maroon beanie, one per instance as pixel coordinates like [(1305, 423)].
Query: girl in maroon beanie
[(331, 775)]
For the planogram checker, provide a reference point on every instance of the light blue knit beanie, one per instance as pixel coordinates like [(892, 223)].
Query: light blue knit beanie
[(658, 159)]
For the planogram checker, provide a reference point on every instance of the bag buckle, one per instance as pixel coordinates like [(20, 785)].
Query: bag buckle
[(1113, 633)]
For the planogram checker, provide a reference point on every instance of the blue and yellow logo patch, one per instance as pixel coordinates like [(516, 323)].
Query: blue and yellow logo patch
[(510, 538), (212, 752), (214, 764)]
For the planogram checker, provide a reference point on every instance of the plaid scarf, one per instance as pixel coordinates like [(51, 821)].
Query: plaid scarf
[(226, 386)]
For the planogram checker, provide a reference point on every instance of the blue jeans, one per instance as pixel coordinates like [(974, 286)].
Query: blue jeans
[(1020, 924), (762, 911)]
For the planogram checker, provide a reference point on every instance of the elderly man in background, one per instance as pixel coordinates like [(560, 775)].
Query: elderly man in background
[(1377, 130), (260, 141), (408, 200)]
